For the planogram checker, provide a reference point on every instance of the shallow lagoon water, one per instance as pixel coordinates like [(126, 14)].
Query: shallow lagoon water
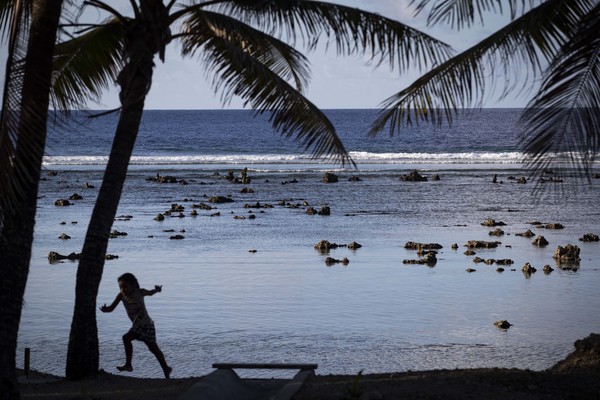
[(221, 302)]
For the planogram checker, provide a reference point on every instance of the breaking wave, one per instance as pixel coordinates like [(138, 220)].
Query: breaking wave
[(360, 157)]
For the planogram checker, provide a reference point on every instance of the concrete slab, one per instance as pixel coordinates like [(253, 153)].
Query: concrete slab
[(226, 384)]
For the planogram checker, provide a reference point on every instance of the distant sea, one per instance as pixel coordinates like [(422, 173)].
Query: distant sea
[(245, 284)]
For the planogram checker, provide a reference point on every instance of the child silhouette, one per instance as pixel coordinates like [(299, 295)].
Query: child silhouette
[(143, 327)]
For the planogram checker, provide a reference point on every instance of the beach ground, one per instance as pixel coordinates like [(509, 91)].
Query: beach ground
[(575, 377), (442, 384), (455, 384)]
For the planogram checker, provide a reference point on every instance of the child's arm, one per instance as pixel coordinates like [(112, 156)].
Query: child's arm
[(157, 289), (106, 308)]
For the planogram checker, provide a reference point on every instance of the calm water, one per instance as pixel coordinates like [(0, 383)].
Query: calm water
[(282, 303)]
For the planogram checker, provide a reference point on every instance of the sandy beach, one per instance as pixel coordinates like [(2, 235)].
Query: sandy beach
[(576, 377)]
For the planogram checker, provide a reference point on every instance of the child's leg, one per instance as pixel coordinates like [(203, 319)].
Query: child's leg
[(153, 347), (127, 339)]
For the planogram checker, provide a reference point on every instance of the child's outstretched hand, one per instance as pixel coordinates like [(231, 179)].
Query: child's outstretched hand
[(158, 288), (104, 308)]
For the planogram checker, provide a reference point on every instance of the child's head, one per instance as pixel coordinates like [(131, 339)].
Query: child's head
[(128, 282)]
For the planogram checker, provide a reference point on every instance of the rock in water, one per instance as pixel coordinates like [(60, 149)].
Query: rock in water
[(503, 324)]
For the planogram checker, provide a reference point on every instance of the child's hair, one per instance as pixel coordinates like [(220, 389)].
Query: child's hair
[(129, 278)]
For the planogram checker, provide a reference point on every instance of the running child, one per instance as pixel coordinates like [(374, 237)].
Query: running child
[(143, 327)]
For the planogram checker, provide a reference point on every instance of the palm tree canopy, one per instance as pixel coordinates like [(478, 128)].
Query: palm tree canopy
[(81, 72), (554, 39), (462, 81), (246, 48), (564, 117)]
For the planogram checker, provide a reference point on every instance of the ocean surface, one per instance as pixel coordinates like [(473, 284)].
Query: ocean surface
[(245, 284)]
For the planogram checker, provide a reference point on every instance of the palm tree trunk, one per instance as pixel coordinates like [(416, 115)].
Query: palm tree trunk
[(135, 81), (17, 233)]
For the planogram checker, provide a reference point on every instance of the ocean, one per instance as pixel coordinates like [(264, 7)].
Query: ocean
[(244, 283)]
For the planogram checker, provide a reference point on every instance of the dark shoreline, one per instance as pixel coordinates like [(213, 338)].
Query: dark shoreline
[(575, 377), (492, 383)]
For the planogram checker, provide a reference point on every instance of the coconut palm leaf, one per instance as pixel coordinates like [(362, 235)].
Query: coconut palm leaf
[(86, 65), (280, 57), (8, 9), (562, 121), (13, 174), (246, 62), (349, 29), (463, 81), (463, 13)]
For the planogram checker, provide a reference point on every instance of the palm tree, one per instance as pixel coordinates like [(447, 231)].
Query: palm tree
[(555, 39), (236, 41), (33, 26)]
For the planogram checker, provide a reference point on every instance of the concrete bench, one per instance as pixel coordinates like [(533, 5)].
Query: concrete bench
[(302, 367)]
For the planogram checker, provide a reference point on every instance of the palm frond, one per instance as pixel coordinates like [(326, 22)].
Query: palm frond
[(561, 122), (349, 29), (7, 15), (86, 65), (464, 80), (240, 70), (11, 174), (463, 13), (103, 6), (278, 56), (6, 11)]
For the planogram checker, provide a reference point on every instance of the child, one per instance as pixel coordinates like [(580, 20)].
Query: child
[(143, 327)]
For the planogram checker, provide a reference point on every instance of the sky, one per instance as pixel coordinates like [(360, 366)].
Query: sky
[(336, 81)]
